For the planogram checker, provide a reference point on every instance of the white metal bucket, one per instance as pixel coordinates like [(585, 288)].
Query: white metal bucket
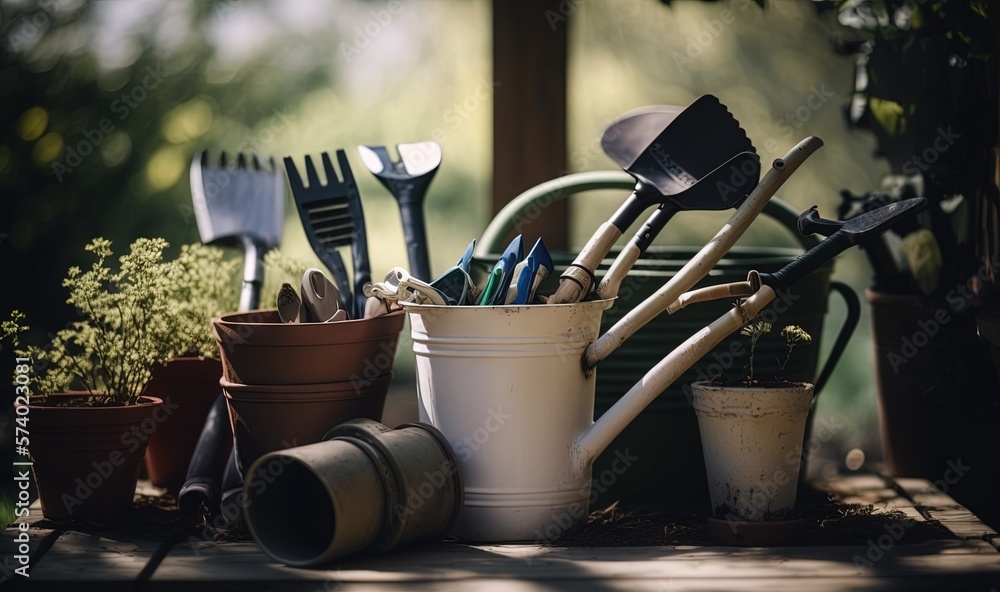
[(506, 387)]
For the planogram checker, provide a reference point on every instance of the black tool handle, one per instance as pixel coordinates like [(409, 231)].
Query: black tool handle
[(331, 258), (808, 262), (411, 213), (359, 255), (359, 240), (231, 501), (253, 273), (631, 208), (202, 486), (654, 224)]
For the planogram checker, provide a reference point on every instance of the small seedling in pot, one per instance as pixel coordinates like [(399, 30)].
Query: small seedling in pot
[(794, 336)]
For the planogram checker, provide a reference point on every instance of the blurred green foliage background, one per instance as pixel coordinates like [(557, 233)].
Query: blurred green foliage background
[(105, 104)]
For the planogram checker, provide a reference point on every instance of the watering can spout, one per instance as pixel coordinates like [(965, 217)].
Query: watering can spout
[(596, 438)]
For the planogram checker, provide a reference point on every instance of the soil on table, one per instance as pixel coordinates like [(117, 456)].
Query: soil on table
[(827, 523), (154, 518)]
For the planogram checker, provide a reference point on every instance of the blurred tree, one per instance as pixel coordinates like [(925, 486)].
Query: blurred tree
[(104, 104)]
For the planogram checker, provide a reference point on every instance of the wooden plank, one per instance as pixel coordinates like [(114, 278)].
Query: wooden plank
[(529, 110), (40, 539), (206, 564), (616, 568), (923, 493), (961, 522), (80, 557), (853, 484), (146, 487), (871, 489), (936, 565), (938, 505), (913, 583)]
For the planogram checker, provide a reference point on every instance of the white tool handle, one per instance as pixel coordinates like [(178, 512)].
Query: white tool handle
[(618, 270), (596, 438), (699, 265), (578, 279)]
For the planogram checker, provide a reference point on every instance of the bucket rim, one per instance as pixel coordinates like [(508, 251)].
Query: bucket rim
[(605, 304)]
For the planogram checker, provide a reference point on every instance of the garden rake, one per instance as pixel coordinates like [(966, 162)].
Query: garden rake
[(244, 203), (332, 217)]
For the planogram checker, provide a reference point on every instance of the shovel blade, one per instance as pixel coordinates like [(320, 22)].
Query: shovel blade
[(724, 187), (629, 135), (690, 147)]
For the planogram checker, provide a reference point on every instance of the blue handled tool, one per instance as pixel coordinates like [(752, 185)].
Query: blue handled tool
[(495, 292), (537, 266)]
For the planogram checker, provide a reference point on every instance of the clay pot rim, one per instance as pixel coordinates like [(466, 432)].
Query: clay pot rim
[(144, 402), (281, 389), (790, 388), (226, 320), (230, 333), (187, 359), (713, 400)]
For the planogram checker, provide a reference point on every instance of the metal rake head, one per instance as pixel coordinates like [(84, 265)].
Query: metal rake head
[(245, 198)]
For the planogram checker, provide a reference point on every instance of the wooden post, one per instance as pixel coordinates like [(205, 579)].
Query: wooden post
[(529, 110)]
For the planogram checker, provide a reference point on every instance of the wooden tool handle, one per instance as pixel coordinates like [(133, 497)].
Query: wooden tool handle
[(577, 281)]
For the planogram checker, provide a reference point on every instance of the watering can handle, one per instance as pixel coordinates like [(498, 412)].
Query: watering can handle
[(524, 207), (843, 336)]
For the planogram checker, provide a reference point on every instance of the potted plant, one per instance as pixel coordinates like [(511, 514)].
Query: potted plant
[(87, 419), (752, 433), (203, 285)]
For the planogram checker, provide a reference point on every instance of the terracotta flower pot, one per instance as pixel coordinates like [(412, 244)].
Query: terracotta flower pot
[(86, 459), (257, 348), (266, 418), (912, 388), (752, 438), (187, 386)]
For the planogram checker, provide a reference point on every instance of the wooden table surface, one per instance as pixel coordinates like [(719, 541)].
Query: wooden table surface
[(970, 561)]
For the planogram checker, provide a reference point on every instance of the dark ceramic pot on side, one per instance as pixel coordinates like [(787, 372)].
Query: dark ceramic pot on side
[(86, 459)]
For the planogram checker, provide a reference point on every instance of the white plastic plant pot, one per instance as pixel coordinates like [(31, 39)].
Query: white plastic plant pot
[(752, 441), (505, 386), (367, 487)]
